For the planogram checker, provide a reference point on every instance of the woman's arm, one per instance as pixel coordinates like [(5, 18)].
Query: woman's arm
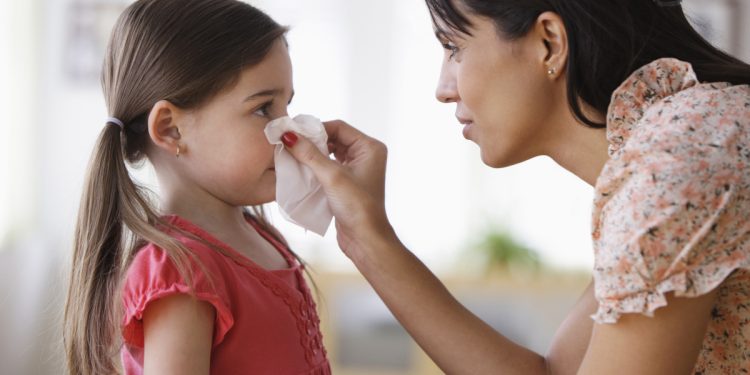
[(460, 343), (456, 339), (178, 332), (667, 343), (572, 337), (453, 337)]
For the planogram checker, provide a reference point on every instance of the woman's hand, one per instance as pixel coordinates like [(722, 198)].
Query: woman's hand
[(354, 183)]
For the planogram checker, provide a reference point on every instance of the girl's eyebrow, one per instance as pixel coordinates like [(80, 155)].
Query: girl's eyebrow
[(267, 93), (264, 93)]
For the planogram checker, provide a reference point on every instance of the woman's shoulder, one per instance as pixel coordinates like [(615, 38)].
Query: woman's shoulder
[(672, 203), (664, 103)]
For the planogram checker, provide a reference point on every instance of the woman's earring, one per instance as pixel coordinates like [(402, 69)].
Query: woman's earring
[(551, 71)]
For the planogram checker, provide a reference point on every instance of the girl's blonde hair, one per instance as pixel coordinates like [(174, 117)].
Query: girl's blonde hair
[(184, 51)]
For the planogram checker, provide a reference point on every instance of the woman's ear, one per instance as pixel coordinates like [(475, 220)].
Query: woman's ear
[(162, 126), (554, 52)]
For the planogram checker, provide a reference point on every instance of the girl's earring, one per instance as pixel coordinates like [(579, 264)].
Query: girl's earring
[(177, 154), (551, 71)]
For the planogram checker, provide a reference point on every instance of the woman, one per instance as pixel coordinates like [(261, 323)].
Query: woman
[(626, 95)]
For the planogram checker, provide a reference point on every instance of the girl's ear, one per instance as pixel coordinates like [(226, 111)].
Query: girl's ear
[(162, 126), (553, 51)]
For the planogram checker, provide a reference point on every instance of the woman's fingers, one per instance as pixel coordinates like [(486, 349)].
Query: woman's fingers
[(354, 183), (344, 135), (308, 154)]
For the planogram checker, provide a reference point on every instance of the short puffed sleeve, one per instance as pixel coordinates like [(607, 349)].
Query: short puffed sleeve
[(672, 205), (153, 275)]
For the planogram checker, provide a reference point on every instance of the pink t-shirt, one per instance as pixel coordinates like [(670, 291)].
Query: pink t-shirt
[(266, 321)]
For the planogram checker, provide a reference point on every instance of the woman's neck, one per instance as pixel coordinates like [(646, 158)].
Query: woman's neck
[(580, 149)]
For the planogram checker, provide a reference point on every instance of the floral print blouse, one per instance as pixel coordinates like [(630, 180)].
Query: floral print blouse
[(672, 205)]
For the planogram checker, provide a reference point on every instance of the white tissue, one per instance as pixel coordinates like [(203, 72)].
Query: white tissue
[(298, 193)]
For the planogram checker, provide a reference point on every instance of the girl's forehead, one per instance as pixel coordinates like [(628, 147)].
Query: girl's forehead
[(273, 73)]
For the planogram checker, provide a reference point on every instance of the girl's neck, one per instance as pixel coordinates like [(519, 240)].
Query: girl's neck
[(206, 217), (227, 224), (222, 220)]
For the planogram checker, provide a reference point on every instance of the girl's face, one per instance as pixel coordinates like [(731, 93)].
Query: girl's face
[(501, 88), (227, 153)]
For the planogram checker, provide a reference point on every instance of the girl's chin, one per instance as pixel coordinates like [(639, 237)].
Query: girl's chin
[(261, 199)]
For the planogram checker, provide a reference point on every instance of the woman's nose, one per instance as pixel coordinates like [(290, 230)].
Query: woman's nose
[(446, 88)]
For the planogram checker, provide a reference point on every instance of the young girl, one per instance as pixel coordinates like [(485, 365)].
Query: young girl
[(199, 285)]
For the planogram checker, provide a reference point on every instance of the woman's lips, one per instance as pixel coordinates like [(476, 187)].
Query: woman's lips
[(467, 129), (467, 125)]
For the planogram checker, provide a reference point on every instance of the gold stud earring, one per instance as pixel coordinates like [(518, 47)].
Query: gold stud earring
[(178, 151), (551, 71)]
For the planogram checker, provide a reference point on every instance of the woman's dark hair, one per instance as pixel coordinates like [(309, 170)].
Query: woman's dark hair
[(184, 51), (608, 40)]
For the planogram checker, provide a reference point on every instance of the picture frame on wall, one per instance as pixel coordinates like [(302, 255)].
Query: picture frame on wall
[(87, 29), (718, 21)]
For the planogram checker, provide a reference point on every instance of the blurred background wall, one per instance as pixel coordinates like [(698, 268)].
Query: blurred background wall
[(372, 63)]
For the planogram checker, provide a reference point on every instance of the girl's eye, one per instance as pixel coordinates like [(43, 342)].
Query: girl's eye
[(452, 48), (263, 110)]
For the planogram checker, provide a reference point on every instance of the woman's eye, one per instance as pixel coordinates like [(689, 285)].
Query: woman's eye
[(263, 110), (452, 48)]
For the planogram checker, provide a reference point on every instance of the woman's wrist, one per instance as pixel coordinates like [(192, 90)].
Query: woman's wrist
[(372, 242)]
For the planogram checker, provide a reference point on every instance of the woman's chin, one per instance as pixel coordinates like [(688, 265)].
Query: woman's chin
[(490, 160), (498, 160)]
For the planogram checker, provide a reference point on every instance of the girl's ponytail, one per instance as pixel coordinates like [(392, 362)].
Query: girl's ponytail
[(97, 260), (114, 220)]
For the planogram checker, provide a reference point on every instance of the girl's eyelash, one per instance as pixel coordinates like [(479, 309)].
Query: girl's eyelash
[(264, 109)]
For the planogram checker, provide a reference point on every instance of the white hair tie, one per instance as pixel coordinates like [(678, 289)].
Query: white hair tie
[(115, 121)]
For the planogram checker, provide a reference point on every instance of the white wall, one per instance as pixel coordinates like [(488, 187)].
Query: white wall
[(18, 59), (745, 30)]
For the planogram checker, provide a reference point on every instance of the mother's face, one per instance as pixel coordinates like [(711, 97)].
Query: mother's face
[(503, 93)]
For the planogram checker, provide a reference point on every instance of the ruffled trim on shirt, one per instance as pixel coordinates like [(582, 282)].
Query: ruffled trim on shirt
[(649, 84), (688, 283)]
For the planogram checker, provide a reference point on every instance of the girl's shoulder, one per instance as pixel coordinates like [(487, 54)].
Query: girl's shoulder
[(199, 257), (154, 274)]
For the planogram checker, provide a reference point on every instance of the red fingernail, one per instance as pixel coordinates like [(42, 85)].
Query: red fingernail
[(289, 139)]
